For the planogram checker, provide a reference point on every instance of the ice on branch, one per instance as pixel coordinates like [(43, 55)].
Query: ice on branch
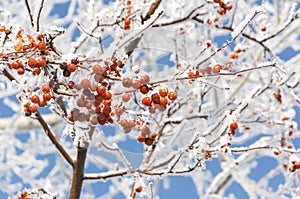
[(240, 28)]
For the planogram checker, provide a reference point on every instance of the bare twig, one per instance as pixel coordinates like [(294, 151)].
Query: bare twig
[(38, 16), (29, 12)]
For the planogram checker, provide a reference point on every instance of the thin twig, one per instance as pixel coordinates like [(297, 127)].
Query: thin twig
[(38, 16), (29, 12)]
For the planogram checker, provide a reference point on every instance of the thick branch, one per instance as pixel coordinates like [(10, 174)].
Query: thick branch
[(78, 169), (53, 139)]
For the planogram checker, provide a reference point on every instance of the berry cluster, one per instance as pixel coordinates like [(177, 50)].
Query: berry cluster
[(68, 69), (202, 72), (154, 101), (146, 136), (295, 165), (37, 101), (94, 104), (223, 7), (127, 20)]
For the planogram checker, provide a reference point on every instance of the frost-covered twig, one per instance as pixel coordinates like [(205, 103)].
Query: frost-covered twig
[(54, 140)]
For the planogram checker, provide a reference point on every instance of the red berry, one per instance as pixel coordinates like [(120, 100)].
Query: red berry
[(41, 62), (148, 141), (217, 68), (140, 138), (144, 89), (32, 62), (107, 95), (42, 104), (41, 46), (139, 189), (163, 92), (47, 97), (71, 68), (97, 69), (147, 101), (35, 99), (71, 84), (101, 90), (21, 71), (33, 109), (172, 95), (46, 88), (163, 101), (233, 126), (155, 98), (85, 83), (125, 97)]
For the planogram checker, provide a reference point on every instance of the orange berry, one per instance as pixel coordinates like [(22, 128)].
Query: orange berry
[(42, 104), (107, 96), (41, 62), (217, 68), (125, 97), (21, 71), (33, 109), (35, 99), (15, 65), (32, 62), (126, 21), (71, 68), (97, 69), (42, 46), (163, 101), (163, 92), (233, 126), (46, 88), (47, 97), (222, 11), (85, 83), (146, 101), (101, 90), (172, 95), (36, 71), (233, 55), (18, 47)]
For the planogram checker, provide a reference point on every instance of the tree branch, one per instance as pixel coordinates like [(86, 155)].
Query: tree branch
[(78, 169), (53, 139), (29, 12)]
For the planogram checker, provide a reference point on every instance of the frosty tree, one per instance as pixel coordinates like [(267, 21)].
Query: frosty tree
[(131, 92)]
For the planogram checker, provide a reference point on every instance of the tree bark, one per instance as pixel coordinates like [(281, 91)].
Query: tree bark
[(78, 173)]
